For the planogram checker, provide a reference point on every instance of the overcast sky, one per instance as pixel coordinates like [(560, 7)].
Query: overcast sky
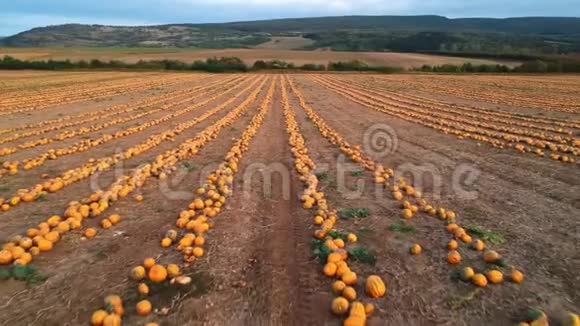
[(21, 15)]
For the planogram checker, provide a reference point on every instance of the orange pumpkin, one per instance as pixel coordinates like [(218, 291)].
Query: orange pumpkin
[(98, 317), (491, 257), (143, 289), (479, 280), (517, 277), (138, 273), (349, 293), (495, 276), (452, 245), (338, 287), (349, 278), (416, 250), (148, 263), (375, 287), (330, 269), (144, 307), (158, 274), (339, 306), (453, 257)]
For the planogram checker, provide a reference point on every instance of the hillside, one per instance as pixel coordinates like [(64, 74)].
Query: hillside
[(529, 35)]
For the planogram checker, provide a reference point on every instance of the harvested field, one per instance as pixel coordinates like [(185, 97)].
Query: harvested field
[(250, 199), (132, 55)]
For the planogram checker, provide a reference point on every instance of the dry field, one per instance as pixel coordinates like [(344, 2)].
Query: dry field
[(247, 199), (271, 51)]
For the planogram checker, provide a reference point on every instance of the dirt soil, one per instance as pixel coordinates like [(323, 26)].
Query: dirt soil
[(259, 268)]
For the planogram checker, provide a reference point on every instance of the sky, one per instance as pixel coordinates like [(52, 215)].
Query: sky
[(20, 15)]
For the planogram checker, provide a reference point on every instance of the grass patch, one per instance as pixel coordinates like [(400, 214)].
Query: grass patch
[(29, 274), (320, 251), (350, 213), (486, 235), (362, 255), (402, 227), (339, 235), (358, 173), (365, 232), (321, 176), (190, 167)]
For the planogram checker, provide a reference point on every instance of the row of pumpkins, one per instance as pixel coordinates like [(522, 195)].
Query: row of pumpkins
[(473, 90), (121, 109), (460, 129), (563, 141), (336, 267), (542, 123), (49, 233), (93, 166), (195, 223), (67, 121), (50, 98), (87, 144)]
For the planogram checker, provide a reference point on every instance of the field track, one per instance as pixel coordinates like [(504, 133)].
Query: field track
[(258, 198)]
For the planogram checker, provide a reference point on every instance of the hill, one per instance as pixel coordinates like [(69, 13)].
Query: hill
[(512, 36)]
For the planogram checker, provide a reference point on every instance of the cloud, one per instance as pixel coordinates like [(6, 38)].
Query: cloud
[(19, 15)]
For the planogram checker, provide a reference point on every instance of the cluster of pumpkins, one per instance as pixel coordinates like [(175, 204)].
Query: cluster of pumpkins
[(449, 125), (89, 92), (196, 220), (336, 265), (460, 236), (86, 144), (538, 123), (114, 309), (401, 190), (83, 118), (98, 202), (93, 166), (480, 92)]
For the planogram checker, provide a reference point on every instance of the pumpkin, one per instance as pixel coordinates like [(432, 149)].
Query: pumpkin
[(318, 220), (572, 320), (144, 307), (34, 251), (63, 227), (466, 238), (90, 233), (338, 287), (398, 195), (466, 274), (24, 259), (138, 273), (453, 257), (452, 245), (112, 320), (339, 243), (166, 243), (25, 243), (148, 263), (349, 278), (115, 219), (334, 258), (339, 306), (416, 249), (330, 269), (199, 241), (17, 252), (357, 309), (355, 321), (171, 234), (478, 245), (452, 227), (491, 257), (173, 270), (151, 324), (139, 198), (197, 252), (98, 317), (349, 293), (157, 274), (407, 213), (352, 238), (495, 276), (143, 289), (375, 287), (53, 236), (6, 257), (369, 308), (45, 245), (479, 280), (517, 276), (106, 224)]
